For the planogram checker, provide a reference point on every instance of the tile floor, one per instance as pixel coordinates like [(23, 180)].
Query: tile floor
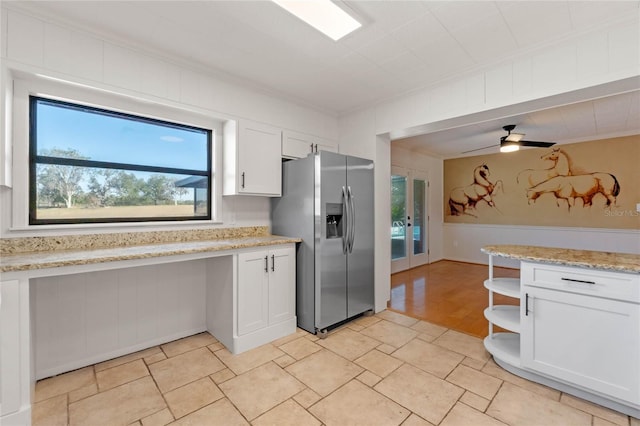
[(387, 369)]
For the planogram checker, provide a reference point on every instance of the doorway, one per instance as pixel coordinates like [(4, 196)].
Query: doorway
[(409, 219)]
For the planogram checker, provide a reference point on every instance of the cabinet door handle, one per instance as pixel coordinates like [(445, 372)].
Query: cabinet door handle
[(311, 145), (316, 147), (273, 262), (266, 263), (578, 281), (242, 184), (526, 304)]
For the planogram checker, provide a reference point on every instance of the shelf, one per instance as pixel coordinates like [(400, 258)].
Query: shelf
[(505, 347), (505, 286), (505, 316)]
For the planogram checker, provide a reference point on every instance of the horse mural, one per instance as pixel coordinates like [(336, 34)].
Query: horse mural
[(585, 187), (560, 167), (464, 198)]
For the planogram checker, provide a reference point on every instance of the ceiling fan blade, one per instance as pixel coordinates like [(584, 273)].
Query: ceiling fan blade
[(536, 144), (478, 149)]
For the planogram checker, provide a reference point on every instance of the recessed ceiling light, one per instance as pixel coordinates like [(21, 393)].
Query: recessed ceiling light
[(323, 15)]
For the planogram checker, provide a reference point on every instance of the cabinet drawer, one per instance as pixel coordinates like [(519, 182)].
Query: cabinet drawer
[(611, 285)]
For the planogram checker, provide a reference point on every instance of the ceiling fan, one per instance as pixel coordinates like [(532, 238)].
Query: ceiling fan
[(513, 141)]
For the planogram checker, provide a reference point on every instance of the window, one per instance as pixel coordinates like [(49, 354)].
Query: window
[(91, 165)]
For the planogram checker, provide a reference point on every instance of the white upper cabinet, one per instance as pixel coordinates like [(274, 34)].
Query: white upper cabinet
[(298, 145), (252, 163)]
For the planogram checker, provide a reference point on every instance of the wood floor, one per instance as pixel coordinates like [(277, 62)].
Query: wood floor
[(448, 293)]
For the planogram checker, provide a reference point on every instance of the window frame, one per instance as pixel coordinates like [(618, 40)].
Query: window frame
[(35, 159), (27, 85)]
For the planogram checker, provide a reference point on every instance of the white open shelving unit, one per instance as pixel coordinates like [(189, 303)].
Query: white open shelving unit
[(503, 345)]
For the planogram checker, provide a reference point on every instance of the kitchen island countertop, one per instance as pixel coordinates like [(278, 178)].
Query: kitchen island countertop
[(621, 262)]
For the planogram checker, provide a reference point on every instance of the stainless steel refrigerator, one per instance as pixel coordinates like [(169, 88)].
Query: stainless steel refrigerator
[(327, 200)]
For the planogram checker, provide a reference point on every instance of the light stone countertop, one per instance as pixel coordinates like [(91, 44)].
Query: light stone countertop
[(41, 259), (620, 262)]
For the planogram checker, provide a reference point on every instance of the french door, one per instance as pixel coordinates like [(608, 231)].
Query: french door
[(409, 219)]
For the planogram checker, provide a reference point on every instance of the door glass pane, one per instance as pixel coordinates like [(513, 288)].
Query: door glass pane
[(398, 215), (419, 191)]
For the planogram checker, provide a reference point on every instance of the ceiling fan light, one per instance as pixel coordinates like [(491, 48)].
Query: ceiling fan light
[(509, 147)]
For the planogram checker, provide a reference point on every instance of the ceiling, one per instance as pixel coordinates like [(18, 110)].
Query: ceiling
[(403, 46)]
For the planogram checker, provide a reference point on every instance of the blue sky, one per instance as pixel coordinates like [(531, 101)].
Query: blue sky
[(120, 140)]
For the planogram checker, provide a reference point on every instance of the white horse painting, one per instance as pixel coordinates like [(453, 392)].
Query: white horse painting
[(463, 199), (560, 167), (585, 187)]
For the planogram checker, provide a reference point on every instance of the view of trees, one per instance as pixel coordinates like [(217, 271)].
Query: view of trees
[(70, 186)]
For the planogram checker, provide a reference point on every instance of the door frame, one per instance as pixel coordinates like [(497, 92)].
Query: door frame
[(411, 260)]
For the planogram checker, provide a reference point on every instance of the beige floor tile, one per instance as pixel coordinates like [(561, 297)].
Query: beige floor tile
[(300, 347), (476, 364), (222, 376), (349, 344), (155, 358), (634, 421), (426, 395), (250, 359), (378, 362), (492, 369), (312, 337), (121, 405), (187, 344), (355, 327), (477, 382), (366, 321), (414, 420), (78, 394), (463, 415), (64, 383), (475, 401), (387, 349), (284, 360), (597, 421), (307, 398), (597, 410), (464, 344), (128, 358), (397, 318), (429, 329), (289, 413), (192, 397), (357, 404), (160, 418), (50, 412), (293, 336), (368, 378), (324, 371), (220, 413), (121, 374), (390, 333), (261, 389), (516, 406), (185, 368), (215, 347), (426, 337), (138, 423), (429, 357)]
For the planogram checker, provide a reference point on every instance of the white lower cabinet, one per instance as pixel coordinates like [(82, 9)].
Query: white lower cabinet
[(573, 330), (15, 356), (266, 288)]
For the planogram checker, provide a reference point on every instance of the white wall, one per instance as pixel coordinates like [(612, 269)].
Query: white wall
[(605, 60), (35, 45)]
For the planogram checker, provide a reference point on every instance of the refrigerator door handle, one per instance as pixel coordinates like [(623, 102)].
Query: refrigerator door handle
[(345, 221), (352, 219)]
